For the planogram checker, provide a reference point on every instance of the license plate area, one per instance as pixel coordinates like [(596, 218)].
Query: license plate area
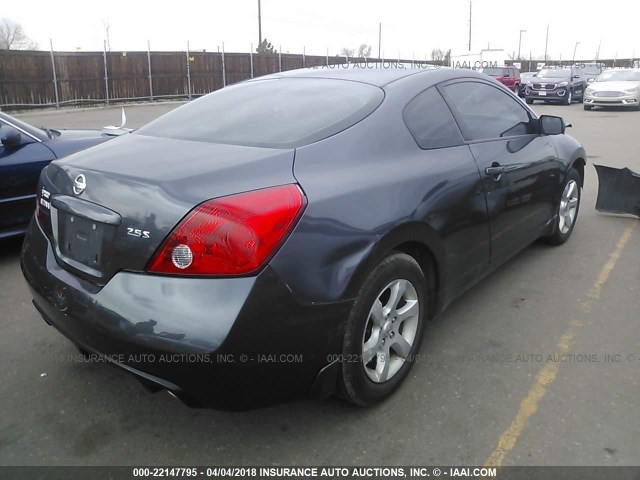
[(81, 239), (542, 94)]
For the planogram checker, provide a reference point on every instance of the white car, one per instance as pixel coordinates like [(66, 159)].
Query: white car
[(614, 88)]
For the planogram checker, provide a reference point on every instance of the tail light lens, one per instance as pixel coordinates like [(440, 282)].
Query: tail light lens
[(232, 235)]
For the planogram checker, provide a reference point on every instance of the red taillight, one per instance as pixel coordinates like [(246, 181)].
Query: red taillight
[(232, 235)]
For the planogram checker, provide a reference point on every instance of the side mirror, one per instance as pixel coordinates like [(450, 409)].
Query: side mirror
[(590, 80), (551, 125), (10, 138)]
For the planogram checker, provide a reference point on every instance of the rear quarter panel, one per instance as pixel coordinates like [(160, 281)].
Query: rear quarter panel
[(371, 188)]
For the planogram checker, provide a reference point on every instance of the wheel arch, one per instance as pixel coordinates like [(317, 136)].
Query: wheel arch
[(579, 163), (420, 242)]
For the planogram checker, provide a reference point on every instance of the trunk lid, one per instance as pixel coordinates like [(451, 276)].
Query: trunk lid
[(132, 191)]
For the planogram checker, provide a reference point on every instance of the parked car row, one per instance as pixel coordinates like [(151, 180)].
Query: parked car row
[(587, 83)]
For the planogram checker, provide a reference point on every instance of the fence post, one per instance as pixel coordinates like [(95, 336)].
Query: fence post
[(188, 73), (149, 65), (251, 59), (327, 57), (304, 51), (224, 71), (55, 78), (280, 58), (106, 72)]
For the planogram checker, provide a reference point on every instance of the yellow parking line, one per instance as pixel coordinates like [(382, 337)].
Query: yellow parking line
[(529, 405)]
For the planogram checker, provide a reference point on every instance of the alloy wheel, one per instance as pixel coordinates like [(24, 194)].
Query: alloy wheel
[(390, 330), (568, 206)]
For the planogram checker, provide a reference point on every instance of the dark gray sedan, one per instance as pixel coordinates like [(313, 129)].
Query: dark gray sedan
[(290, 236)]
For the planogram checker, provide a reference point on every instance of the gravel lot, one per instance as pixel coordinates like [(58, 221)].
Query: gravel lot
[(579, 300)]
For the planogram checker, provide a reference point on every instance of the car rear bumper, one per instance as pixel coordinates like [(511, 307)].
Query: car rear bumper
[(228, 343)]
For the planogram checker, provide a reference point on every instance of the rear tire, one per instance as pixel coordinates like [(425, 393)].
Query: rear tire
[(384, 331), (568, 208), (529, 101)]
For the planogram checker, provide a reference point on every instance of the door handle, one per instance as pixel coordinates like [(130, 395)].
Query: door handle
[(494, 170)]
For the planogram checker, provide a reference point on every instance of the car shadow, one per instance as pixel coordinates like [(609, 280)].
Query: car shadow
[(614, 109), (10, 247)]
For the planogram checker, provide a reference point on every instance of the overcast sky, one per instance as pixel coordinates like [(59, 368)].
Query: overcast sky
[(409, 27)]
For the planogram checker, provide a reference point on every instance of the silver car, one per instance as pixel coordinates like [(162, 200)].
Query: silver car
[(614, 88)]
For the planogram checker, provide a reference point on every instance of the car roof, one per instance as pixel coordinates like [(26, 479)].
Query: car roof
[(377, 74)]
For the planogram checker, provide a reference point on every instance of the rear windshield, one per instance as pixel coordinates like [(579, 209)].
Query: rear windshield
[(276, 113)]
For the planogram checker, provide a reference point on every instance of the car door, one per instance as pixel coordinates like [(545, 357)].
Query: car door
[(520, 169), (580, 83), (516, 79), (451, 176), (20, 167), (512, 79)]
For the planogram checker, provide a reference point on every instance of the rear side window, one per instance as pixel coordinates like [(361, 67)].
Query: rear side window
[(487, 112), (430, 121), (276, 113)]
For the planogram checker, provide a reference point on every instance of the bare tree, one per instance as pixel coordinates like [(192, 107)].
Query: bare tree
[(265, 47), (347, 52), (437, 54), (513, 56), (13, 37), (364, 51)]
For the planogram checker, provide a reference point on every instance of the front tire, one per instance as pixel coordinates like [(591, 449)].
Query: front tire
[(529, 101), (384, 330), (588, 107), (568, 208), (569, 98)]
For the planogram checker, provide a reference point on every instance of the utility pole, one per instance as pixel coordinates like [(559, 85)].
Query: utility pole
[(379, 39), (574, 52), (520, 42), (546, 44), (598, 52), (259, 25), (469, 25)]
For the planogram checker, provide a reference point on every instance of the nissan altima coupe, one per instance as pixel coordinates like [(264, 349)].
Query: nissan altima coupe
[(290, 236)]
